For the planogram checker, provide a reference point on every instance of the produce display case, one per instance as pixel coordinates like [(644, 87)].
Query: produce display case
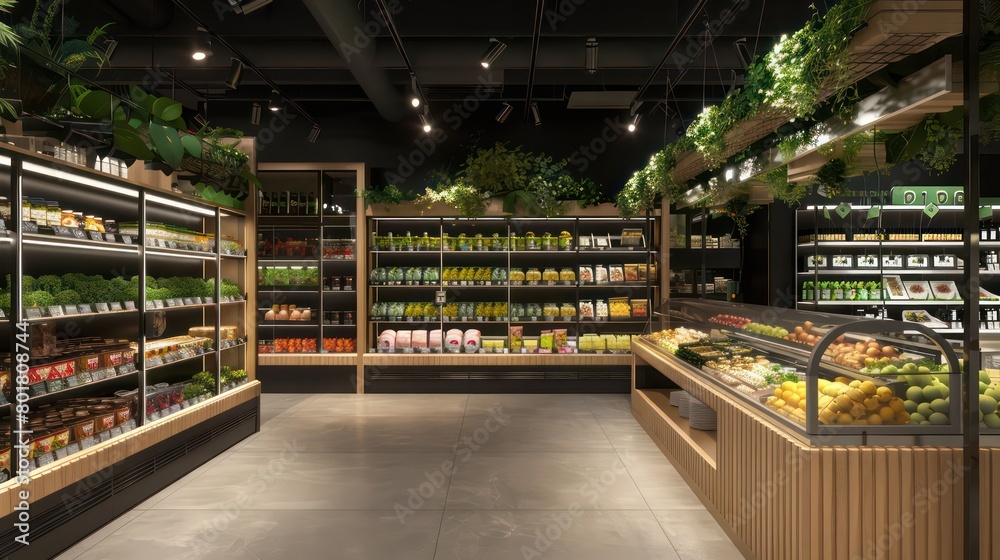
[(817, 374), (106, 315)]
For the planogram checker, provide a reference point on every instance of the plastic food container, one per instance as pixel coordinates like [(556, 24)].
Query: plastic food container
[(587, 309), (586, 275), (640, 308), (600, 274)]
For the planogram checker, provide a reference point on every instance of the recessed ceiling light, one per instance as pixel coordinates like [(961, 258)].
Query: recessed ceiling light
[(275, 102), (202, 45)]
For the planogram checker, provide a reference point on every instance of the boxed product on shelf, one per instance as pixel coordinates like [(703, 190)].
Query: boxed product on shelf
[(228, 332), (294, 345), (639, 308), (619, 307), (339, 249), (340, 345), (287, 276)]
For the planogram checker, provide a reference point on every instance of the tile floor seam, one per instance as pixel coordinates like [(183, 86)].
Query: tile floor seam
[(641, 493), (444, 505), (139, 513), (187, 478)]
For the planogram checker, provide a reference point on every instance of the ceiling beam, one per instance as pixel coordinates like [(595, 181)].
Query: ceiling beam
[(673, 46), (536, 34)]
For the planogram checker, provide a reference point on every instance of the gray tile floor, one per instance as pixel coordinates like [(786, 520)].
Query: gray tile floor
[(427, 477)]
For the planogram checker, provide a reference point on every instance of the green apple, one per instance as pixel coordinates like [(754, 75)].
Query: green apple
[(940, 405), (915, 394), (938, 419), (992, 421), (987, 404)]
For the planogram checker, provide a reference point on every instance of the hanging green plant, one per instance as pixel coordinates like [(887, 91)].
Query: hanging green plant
[(833, 176), (777, 184), (387, 196), (740, 210), (940, 147)]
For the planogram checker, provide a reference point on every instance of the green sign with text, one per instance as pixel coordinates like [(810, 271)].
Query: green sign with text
[(922, 196)]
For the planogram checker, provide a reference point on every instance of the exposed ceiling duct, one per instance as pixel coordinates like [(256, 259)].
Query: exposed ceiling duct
[(340, 21)]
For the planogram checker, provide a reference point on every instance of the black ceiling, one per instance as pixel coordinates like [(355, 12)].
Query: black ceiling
[(443, 39)]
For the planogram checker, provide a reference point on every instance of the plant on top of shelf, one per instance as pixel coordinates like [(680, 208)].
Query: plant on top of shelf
[(528, 184), (38, 35), (777, 184), (9, 41)]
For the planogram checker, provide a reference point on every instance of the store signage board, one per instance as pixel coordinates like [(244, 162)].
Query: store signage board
[(116, 306), (61, 231), (209, 300), (127, 239), (922, 196), (874, 212), (55, 311), (103, 308), (843, 209), (96, 236), (78, 233), (631, 237), (29, 227), (110, 237), (130, 305), (931, 210), (985, 212), (439, 297), (33, 313), (189, 301), (85, 308), (72, 310)]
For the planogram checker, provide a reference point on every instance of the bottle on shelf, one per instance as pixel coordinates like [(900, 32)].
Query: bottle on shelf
[(282, 204), (265, 204), (312, 205), (293, 204)]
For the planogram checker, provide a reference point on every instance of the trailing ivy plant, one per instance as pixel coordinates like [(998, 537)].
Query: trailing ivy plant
[(777, 184), (740, 209), (941, 144), (388, 196), (38, 35)]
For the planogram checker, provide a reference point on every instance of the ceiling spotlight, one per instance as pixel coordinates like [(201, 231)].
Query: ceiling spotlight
[(415, 100), (492, 53), (425, 121), (505, 112), (314, 133), (635, 123), (591, 62), (246, 6), (235, 73), (535, 115), (255, 114), (202, 45), (275, 102)]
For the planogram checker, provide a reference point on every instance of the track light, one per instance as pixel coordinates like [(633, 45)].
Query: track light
[(247, 6), (425, 121), (415, 100), (314, 133), (275, 102), (255, 114), (235, 73), (535, 115), (202, 45), (505, 112), (635, 122), (743, 51), (492, 53), (591, 62)]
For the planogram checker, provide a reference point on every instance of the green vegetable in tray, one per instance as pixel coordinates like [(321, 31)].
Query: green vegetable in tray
[(49, 283), (67, 297), (38, 298), (5, 302)]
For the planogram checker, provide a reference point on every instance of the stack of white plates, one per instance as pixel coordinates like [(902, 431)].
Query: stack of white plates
[(683, 401), (701, 417)]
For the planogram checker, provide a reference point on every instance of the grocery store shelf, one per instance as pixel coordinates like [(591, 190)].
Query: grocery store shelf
[(268, 262), (180, 307), (535, 287), (923, 245), (166, 253), (497, 359), (235, 257), (329, 325), (345, 261), (233, 347), (311, 359), (399, 286), (192, 358), (884, 271), (35, 239), (5, 239), (435, 252), (633, 320), (285, 324), (610, 285), (82, 316), (636, 251), (64, 392), (266, 291), (238, 301), (876, 303)]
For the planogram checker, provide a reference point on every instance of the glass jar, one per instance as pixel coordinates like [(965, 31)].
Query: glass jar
[(53, 213), (100, 224), (533, 275), (25, 209), (348, 318), (90, 224), (348, 282), (5, 209), (68, 220), (80, 221), (335, 283)]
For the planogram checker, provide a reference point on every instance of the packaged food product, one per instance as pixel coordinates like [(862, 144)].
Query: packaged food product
[(619, 307), (419, 339), (516, 276), (403, 339), (546, 340), (60, 438), (516, 338), (530, 345), (453, 340), (550, 310), (587, 309), (472, 341), (631, 273), (550, 275), (560, 338), (387, 341), (567, 275), (600, 274), (639, 308), (586, 275), (601, 308), (567, 310), (434, 339), (643, 272), (533, 275), (616, 273)]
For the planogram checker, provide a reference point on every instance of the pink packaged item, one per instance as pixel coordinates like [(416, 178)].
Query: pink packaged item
[(472, 341), (387, 340), (419, 339), (403, 339), (453, 340), (435, 339)]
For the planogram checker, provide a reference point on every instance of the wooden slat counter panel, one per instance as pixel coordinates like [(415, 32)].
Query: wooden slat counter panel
[(61, 474), (307, 359), (780, 498)]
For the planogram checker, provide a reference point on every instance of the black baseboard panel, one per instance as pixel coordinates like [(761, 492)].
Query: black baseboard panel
[(60, 520), (497, 380), (308, 379)]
